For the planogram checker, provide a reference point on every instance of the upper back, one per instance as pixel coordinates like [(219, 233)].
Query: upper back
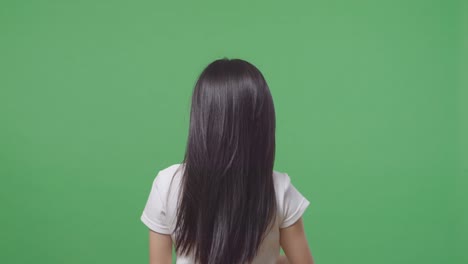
[(161, 209)]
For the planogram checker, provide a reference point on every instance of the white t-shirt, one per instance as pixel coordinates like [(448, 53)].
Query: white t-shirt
[(159, 213)]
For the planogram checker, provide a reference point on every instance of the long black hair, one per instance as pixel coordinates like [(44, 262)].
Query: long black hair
[(227, 202)]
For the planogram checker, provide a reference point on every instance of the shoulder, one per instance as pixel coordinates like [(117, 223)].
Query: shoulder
[(170, 170), (291, 202), (166, 175), (281, 179)]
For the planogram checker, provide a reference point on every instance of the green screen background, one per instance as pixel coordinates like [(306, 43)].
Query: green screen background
[(371, 105)]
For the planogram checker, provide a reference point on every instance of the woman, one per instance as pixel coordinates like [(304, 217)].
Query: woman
[(224, 203)]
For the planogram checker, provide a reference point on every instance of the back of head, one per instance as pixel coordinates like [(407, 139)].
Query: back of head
[(227, 203)]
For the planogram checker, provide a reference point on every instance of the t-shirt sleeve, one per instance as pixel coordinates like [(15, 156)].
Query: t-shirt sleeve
[(154, 213), (294, 204)]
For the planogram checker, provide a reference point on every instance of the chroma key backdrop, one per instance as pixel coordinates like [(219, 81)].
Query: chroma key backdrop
[(372, 120)]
